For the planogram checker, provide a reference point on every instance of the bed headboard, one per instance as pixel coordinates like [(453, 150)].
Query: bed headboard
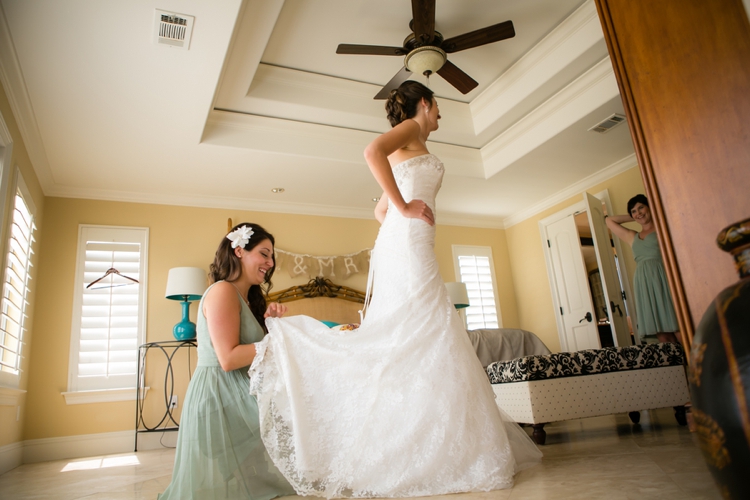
[(323, 300)]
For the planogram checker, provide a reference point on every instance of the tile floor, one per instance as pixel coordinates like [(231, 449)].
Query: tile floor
[(593, 458)]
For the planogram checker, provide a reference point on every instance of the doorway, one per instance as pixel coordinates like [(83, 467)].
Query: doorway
[(590, 288), (599, 303)]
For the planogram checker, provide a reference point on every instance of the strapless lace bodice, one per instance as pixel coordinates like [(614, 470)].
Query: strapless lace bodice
[(420, 178)]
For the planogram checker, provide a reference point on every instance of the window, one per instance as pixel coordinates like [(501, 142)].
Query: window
[(474, 267), (16, 286), (109, 308)]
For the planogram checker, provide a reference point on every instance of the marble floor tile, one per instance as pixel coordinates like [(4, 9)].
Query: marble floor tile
[(698, 485), (686, 460), (659, 487), (595, 458), (486, 495)]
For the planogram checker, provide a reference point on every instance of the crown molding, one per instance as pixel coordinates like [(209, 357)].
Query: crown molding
[(547, 60), (592, 180), (249, 205), (584, 95), (13, 82), (219, 202), (478, 221)]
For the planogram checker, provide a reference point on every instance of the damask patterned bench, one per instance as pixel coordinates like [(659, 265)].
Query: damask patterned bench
[(538, 390)]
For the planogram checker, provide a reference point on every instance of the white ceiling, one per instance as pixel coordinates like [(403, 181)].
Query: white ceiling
[(261, 100)]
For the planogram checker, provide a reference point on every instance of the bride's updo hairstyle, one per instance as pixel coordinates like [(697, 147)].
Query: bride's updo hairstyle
[(226, 266), (402, 102)]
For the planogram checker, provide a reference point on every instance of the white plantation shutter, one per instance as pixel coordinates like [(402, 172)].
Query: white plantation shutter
[(475, 269), (15, 287), (108, 323)]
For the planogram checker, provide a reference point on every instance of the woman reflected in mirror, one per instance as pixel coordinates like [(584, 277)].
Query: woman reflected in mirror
[(653, 300)]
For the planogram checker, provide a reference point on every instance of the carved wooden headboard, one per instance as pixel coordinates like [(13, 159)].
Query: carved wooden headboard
[(323, 300)]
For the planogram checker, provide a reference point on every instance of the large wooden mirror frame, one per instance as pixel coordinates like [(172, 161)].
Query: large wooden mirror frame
[(683, 72)]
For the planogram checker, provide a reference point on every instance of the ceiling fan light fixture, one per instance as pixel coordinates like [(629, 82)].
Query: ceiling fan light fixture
[(425, 60)]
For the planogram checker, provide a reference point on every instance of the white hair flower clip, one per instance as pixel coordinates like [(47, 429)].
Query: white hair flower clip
[(240, 236)]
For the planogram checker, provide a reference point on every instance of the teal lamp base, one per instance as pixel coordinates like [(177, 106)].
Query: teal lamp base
[(185, 329)]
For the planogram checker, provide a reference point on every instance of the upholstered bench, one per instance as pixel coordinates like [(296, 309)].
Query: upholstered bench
[(548, 388)]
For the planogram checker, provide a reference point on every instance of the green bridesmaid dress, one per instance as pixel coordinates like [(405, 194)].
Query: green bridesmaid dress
[(220, 454), (653, 300)]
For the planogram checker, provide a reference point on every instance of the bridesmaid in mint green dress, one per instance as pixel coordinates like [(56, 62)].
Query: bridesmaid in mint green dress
[(653, 300), (220, 454)]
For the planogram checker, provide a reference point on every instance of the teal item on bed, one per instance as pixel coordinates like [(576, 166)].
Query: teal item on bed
[(330, 324)]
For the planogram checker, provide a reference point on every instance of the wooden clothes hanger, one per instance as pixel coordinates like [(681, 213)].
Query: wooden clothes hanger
[(109, 272)]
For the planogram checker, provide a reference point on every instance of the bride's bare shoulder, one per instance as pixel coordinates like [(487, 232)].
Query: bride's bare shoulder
[(402, 155)]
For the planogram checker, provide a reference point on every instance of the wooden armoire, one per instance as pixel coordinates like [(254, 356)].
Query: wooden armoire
[(683, 67)]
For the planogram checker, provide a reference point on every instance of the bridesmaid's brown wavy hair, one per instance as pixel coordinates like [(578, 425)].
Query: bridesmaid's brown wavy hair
[(226, 266)]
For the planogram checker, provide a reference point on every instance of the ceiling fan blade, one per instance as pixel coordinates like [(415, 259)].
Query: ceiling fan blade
[(397, 80), (453, 75), (423, 20), (479, 37), (371, 50)]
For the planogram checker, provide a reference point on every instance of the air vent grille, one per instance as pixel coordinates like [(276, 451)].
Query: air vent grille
[(608, 124), (173, 30)]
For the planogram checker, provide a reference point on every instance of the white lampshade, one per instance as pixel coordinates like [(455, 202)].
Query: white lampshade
[(458, 294), (186, 283), (425, 60)]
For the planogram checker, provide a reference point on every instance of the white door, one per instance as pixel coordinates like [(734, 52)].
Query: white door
[(576, 306), (608, 271)]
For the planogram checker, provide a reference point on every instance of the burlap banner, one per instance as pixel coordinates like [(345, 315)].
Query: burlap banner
[(328, 266)]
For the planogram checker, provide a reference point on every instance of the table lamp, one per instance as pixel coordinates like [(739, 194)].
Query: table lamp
[(458, 294), (185, 284)]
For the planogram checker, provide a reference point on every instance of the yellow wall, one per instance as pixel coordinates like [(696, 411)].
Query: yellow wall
[(12, 430), (535, 307), (181, 236)]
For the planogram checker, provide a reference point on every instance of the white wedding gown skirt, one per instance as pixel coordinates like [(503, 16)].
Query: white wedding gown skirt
[(399, 407)]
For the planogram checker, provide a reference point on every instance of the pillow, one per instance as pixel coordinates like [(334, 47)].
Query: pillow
[(330, 324)]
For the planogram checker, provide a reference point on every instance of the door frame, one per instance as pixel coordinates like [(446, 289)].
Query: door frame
[(574, 209)]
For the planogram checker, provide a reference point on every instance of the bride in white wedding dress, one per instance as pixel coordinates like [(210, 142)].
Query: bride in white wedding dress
[(401, 406)]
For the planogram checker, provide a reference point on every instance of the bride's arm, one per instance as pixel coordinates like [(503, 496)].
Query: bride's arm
[(381, 208), (376, 155)]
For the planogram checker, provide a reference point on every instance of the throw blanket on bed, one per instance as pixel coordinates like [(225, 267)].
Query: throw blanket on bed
[(502, 344)]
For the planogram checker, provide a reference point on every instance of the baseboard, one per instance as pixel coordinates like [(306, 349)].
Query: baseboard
[(85, 445), (156, 440), (11, 456), (81, 446)]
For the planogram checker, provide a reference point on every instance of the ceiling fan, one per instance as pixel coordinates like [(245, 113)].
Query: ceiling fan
[(426, 50)]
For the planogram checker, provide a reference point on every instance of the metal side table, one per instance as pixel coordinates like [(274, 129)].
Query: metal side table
[(169, 349)]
